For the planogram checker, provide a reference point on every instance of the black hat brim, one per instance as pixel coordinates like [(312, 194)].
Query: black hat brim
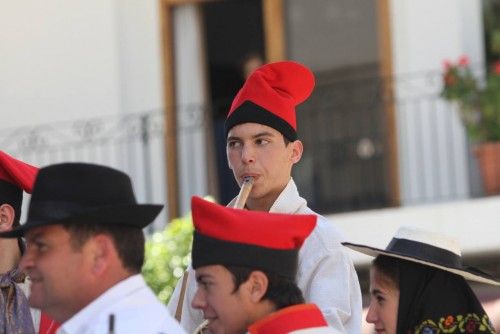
[(469, 274), (135, 216)]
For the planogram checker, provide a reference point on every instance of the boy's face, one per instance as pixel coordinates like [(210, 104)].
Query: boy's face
[(228, 311), (260, 151)]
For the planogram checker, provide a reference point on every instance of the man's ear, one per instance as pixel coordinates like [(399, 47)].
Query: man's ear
[(297, 150), (258, 284), (100, 253), (7, 216)]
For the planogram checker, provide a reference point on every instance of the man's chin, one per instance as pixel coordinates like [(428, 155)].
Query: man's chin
[(35, 301)]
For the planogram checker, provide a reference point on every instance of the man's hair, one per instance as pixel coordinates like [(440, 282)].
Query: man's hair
[(128, 241), (281, 291), (389, 266)]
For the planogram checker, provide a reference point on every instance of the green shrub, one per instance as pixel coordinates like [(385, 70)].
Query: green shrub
[(168, 253)]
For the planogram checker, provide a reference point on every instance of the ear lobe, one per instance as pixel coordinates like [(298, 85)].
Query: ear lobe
[(258, 285)]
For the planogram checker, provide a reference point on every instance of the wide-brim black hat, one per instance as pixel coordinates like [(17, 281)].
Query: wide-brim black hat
[(427, 248), (81, 193)]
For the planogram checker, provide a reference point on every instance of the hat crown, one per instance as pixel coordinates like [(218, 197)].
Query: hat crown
[(83, 184), (430, 238), (269, 96), (262, 229)]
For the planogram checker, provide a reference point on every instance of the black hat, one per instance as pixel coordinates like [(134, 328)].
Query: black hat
[(80, 193), (429, 249)]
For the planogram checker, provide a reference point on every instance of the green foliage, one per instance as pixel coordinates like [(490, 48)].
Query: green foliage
[(168, 253), (479, 105)]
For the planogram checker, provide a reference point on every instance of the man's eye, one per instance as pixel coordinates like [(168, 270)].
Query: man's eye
[(233, 144), (40, 246), (262, 141), (202, 285)]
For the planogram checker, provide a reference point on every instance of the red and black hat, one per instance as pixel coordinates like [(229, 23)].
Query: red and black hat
[(15, 176), (265, 241), (270, 95)]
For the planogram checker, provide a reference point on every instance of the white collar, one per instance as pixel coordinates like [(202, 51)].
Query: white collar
[(289, 200), (88, 316)]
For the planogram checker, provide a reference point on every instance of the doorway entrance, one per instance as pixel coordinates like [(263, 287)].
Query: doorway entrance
[(234, 37)]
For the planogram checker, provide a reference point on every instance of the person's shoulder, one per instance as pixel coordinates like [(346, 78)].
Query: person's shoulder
[(325, 228)]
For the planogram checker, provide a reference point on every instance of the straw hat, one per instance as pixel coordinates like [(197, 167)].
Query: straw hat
[(427, 248)]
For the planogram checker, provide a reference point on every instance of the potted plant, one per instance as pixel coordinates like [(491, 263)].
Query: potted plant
[(479, 108)]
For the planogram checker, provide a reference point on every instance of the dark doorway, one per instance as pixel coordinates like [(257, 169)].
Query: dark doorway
[(233, 33)]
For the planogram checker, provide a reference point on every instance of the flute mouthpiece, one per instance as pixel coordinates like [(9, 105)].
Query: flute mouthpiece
[(248, 179)]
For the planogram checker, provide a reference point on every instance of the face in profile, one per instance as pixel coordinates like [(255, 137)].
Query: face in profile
[(384, 302), (57, 271), (226, 310)]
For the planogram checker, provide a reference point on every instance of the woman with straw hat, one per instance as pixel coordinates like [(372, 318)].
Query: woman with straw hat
[(418, 285)]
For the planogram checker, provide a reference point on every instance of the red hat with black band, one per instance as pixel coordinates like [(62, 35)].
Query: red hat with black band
[(15, 176), (253, 239), (270, 95)]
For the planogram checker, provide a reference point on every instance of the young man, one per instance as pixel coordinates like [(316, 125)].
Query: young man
[(16, 176), (245, 265), (85, 250), (262, 143)]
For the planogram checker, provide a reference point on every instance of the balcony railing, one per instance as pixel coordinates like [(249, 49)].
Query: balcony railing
[(347, 161)]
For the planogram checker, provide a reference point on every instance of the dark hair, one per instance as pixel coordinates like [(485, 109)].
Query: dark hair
[(128, 241), (389, 266), (281, 291)]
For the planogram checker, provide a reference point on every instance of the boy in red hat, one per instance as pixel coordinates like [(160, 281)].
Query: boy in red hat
[(245, 265), (16, 176), (262, 143)]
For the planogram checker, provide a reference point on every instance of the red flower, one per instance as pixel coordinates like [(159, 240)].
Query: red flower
[(463, 61), (446, 64), (449, 321), (470, 326), (496, 67)]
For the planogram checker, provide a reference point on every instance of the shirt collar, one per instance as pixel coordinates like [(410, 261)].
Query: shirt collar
[(289, 201), (88, 315)]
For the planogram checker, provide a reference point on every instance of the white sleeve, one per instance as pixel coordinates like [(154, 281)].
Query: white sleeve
[(190, 318), (327, 278)]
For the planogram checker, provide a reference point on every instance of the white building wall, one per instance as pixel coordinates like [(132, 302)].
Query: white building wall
[(139, 55), (59, 61), (424, 34), (68, 61)]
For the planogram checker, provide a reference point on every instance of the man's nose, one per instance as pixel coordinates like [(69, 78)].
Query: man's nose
[(247, 154), (199, 300), (27, 261)]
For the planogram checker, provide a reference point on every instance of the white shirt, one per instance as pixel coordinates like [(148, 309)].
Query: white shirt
[(326, 274), (135, 307)]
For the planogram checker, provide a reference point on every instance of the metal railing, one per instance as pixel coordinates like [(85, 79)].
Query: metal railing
[(345, 133)]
